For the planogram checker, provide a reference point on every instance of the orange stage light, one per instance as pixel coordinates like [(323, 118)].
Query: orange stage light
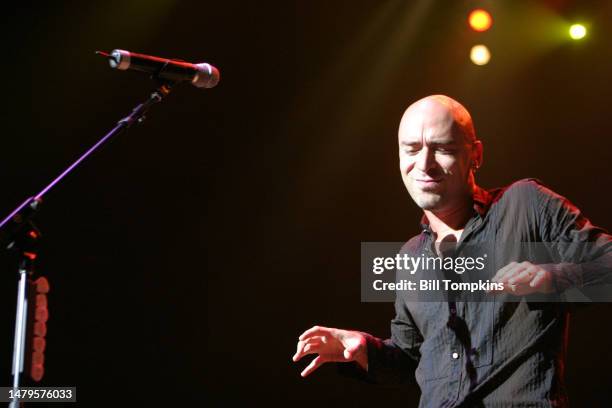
[(480, 20)]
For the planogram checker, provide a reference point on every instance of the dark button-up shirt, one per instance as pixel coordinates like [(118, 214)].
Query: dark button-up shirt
[(495, 353)]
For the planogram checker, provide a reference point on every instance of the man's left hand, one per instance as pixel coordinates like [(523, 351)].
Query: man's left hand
[(524, 278)]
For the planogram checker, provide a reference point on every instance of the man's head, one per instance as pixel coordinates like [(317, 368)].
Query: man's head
[(438, 153)]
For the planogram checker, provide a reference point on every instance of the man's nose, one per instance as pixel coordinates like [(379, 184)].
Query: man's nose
[(425, 160)]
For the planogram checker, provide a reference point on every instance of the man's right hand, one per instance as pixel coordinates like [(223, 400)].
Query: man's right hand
[(332, 345)]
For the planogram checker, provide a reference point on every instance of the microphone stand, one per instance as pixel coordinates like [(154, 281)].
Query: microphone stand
[(20, 234)]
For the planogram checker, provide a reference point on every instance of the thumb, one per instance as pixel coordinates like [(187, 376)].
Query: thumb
[(349, 351)]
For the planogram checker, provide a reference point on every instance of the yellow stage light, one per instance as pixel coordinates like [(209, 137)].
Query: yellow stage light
[(577, 31)]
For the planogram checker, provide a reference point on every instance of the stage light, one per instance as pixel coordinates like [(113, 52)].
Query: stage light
[(577, 31), (480, 20), (480, 54)]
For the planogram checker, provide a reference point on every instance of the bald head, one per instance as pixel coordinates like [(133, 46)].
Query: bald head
[(438, 153), (444, 111)]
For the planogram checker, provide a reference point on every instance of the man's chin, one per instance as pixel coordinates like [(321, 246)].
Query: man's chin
[(428, 201)]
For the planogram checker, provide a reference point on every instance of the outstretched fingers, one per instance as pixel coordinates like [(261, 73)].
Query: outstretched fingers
[(315, 331), (314, 364), (308, 346), (331, 345)]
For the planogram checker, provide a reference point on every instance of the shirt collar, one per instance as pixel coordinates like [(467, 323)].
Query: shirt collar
[(481, 203)]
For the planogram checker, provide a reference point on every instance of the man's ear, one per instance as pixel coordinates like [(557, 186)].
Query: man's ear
[(477, 150)]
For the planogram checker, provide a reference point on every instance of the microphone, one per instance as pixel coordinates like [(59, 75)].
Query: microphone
[(201, 75)]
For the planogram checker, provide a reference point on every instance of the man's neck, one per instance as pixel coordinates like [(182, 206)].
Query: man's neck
[(450, 221)]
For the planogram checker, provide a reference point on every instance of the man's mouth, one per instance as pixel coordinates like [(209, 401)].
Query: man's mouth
[(428, 182)]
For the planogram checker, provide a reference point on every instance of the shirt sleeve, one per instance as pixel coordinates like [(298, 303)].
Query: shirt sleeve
[(582, 252), (390, 361)]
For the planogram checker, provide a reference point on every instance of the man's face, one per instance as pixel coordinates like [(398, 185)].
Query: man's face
[(435, 158)]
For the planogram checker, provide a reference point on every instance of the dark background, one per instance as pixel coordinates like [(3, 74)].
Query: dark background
[(187, 256)]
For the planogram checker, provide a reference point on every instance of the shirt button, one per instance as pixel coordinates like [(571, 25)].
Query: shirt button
[(455, 355)]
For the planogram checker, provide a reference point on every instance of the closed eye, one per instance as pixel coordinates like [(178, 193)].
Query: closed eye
[(411, 152), (445, 151)]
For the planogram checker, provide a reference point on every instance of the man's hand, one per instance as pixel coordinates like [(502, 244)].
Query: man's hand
[(524, 278), (332, 345)]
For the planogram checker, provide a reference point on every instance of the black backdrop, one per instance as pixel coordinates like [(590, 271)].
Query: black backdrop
[(187, 256)]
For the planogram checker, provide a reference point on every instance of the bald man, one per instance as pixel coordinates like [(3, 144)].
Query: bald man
[(472, 353)]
